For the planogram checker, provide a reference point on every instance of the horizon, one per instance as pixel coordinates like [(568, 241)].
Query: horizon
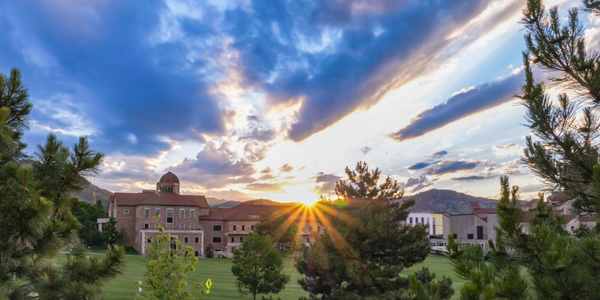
[(245, 102)]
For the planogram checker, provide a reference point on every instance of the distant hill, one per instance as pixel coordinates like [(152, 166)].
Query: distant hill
[(223, 203), (87, 195), (446, 201)]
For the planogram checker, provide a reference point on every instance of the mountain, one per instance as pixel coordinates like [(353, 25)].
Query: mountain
[(87, 195), (446, 201), (223, 203)]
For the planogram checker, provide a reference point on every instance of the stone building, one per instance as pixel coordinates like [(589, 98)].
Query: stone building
[(178, 214)]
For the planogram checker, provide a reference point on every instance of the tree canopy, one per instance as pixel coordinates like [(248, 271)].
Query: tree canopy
[(365, 184), (258, 266), (36, 218)]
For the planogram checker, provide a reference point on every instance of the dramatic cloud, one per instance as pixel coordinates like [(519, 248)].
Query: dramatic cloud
[(438, 154), (325, 183), (461, 105), (419, 166), (286, 168), (448, 166), (507, 150)]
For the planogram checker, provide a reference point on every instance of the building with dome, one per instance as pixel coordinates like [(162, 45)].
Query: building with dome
[(192, 221), (178, 214)]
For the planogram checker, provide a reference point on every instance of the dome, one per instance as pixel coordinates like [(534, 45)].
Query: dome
[(169, 178)]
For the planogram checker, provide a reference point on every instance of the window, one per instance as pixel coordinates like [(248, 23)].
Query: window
[(155, 226), (243, 227), (169, 219), (196, 240), (410, 220), (232, 239), (182, 213), (192, 214), (422, 220), (308, 240), (241, 239), (252, 227), (126, 212), (480, 232), (186, 240), (200, 227), (192, 227), (157, 212), (146, 213), (173, 245), (216, 239), (149, 240), (181, 227), (217, 228), (234, 227), (455, 235), (146, 226), (196, 253), (470, 236)]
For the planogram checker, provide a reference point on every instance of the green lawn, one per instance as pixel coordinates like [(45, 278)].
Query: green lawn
[(124, 286)]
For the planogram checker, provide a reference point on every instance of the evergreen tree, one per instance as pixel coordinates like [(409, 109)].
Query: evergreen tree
[(422, 287), (364, 184), (564, 151), (557, 265), (257, 266), (210, 251), (36, 219), (87, 215), (279, 228), (169, 265)]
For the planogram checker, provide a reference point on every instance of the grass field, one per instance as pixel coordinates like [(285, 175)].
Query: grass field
[(125, 286)]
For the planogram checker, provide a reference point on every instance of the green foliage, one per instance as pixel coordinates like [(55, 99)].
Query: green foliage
[(210, 251), (257, 266), (564, 152), (279, 228), (422, 287), (36, 218), (557, 265), (364, 184), (113, 236), (362, 252), (169, 265), (88, 215)]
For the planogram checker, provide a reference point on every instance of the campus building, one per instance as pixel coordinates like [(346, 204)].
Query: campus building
[(193, 221)]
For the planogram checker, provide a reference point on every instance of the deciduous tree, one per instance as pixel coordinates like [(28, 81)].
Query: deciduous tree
[(258, 266), (280, 229)]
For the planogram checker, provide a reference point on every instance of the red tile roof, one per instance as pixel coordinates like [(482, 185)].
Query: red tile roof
[(169, 178), (158, 198), (252, 210), (589, 219), (531, 203), (528, 215), (484, 211)]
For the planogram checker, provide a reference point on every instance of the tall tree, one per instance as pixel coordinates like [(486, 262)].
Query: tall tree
[(280, 229), (257, 266), (169, 265), (36, 219), (565, 150), (87, 215), (15, 98), (365, 184), (361, 253)]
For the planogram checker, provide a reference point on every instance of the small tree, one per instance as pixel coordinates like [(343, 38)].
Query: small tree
[(210, 251), (88, 215), (364, 184), (281, 229), (422, 286), (110, 232), (168, 269), (258, 265)]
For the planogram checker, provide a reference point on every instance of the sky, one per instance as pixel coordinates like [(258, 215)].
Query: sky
[(273, 99)]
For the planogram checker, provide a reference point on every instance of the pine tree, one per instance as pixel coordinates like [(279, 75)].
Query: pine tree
[(364, 184), (257, 266), (564, 151), (363, 248), (36, 219), (545, 262)]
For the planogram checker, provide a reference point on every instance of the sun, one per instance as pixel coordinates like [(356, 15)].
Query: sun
[(309, 201)]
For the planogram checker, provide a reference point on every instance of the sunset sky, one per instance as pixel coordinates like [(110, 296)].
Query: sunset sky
[(273, 99)]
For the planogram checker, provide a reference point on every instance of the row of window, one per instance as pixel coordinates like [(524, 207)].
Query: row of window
[(470, 236), (243, 228), (170, 226), (186, 240), (182, 213)]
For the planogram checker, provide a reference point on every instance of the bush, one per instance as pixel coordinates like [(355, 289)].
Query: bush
[(210, 251)]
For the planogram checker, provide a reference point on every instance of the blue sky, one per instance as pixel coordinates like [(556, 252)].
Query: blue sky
[(249, 99)]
